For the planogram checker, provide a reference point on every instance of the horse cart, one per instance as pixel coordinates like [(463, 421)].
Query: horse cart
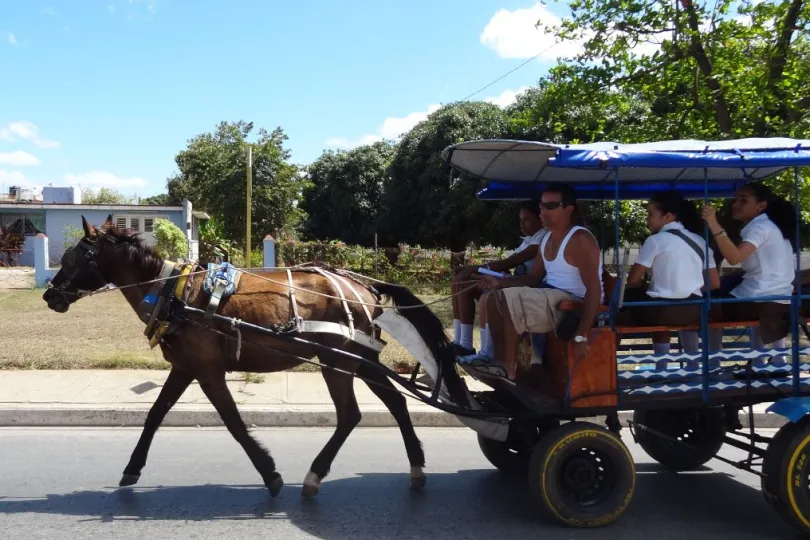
[(214, 320)]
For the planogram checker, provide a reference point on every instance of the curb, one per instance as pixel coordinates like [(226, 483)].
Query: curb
[(199, 416)]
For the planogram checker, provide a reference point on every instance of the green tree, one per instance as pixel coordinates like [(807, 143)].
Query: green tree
[(345, 193), (422, 203), (107, 195), (170, 242), (213, 176), (162, 199)]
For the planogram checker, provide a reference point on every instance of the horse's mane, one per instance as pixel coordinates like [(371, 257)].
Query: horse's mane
[(133, 247)]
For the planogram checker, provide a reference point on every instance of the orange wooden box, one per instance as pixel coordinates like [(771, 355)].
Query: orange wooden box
[(594, 376)]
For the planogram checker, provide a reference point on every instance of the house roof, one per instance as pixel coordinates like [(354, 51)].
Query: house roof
[(111, 207)]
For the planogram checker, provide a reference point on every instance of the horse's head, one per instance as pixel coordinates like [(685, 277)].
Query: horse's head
[(86, 267)]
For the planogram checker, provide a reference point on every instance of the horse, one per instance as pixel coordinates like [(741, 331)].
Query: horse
[(205, 351)]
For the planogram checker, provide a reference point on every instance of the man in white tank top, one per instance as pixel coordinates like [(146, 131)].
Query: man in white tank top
[(569, 265)]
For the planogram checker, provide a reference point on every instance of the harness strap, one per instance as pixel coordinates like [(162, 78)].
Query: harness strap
[(293, 301), (348, 311), (359, 298)]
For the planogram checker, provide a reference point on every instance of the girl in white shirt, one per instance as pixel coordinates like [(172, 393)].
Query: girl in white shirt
[(766, 256), (674, 257)]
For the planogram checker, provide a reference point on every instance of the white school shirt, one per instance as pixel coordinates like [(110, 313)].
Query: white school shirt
[(677, 271), (769, 270), (533, 240)]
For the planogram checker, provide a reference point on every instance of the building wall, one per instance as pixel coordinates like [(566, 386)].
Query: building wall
[(57, 219)]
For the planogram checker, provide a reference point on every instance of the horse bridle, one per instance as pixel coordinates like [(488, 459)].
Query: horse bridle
[(74, 260)]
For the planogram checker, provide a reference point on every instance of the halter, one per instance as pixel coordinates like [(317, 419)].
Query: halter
[(74, 260)]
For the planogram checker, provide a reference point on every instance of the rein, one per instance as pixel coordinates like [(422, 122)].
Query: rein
[(108, 288)]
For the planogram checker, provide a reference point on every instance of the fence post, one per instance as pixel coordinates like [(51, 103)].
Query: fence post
[(42, 266), (269, 248)]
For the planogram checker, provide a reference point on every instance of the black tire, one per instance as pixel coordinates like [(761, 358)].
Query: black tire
[(582, 474), (512, 456), (703, 430), (786, 474)]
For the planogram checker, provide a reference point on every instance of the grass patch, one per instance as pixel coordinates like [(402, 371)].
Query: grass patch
[(103, 332)]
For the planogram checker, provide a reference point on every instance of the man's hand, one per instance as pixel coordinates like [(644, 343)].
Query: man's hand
[(581, 350), (488, 283)]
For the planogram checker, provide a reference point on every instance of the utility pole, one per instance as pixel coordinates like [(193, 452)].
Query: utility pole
[(249, 193)]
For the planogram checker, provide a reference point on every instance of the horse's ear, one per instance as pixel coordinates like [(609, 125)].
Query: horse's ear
[(108, 222), (88, 231)]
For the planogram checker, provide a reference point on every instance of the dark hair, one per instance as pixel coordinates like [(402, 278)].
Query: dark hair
[(780, 211), (671, 202), (532, 206), (569, 198)]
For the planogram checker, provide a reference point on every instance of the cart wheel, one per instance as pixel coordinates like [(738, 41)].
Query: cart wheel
[(582, 474), (704, 430), (512, 456), (786, 474)]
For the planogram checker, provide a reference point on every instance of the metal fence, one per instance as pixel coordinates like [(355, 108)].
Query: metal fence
[(17, 269)]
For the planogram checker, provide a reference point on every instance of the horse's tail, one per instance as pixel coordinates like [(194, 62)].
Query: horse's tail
[(432, 332)]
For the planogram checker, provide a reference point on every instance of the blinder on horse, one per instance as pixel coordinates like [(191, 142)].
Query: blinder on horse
[(74, 261)]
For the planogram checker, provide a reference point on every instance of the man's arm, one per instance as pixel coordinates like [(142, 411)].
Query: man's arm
[(532, 277), (514, 259), (585, 257)]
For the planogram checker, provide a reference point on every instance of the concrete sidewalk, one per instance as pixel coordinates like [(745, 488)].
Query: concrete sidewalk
[(123, 397)]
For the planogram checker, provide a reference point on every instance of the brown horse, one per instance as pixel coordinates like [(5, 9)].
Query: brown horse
[(205, 352)]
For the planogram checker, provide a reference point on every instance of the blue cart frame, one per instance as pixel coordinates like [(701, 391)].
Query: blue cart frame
[(611, 171)]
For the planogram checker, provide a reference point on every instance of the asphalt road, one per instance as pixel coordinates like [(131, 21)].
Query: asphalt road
[(62, 483)]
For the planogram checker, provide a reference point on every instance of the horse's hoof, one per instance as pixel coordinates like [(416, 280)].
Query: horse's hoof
[(311, 486), (418, 478), (129, 480), (275, 485)]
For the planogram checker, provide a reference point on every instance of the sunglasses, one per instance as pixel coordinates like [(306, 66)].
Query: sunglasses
[(552, 205)]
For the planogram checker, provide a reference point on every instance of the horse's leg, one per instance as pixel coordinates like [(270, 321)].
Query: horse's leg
[(176, 383), (220, 396), (341, 388), (384, 389)]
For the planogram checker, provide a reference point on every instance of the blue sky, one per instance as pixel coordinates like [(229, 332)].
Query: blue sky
[(105, 93)]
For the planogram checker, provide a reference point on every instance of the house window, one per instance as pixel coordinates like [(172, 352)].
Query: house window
[(121, 223), (134, 224), (148, 224), (25, 224)]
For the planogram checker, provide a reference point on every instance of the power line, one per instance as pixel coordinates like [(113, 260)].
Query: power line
[(510, 72)]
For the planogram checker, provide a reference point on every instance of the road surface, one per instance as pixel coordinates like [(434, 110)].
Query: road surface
[(62, 483)]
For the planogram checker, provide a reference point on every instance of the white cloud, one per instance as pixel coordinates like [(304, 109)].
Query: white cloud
[(151, 5), (12, 39), (18, 158), (392, 127), (507, 97), (103, 179), (13, 178), (26, 131), (514, 34), (49, 11)]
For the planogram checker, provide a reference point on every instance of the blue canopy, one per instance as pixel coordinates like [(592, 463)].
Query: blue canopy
[(522, 169)]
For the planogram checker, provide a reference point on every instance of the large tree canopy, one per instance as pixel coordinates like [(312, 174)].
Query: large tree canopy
[(213, 176), (345, 193)]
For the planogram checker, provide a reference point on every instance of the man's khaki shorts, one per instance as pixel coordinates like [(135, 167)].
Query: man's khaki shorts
[(534, 310)]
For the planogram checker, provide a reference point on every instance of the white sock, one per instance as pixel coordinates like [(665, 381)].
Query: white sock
[(484, 333), (466, 335), (778, 344), (456, 331), (756, 340), (661, 348), (490, 347), (690, 341)]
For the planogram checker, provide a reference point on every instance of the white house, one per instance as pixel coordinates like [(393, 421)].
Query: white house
[(61, 207)]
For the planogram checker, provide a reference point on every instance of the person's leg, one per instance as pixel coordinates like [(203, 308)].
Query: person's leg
[(483, 325), (503, 335)]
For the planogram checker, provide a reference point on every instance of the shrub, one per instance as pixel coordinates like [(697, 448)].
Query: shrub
[(170, 242)]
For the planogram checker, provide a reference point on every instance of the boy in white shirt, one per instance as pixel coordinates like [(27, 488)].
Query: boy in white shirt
[(521, 260), (674, 256)]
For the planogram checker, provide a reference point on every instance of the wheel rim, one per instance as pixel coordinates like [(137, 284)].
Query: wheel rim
[(587, 477)]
